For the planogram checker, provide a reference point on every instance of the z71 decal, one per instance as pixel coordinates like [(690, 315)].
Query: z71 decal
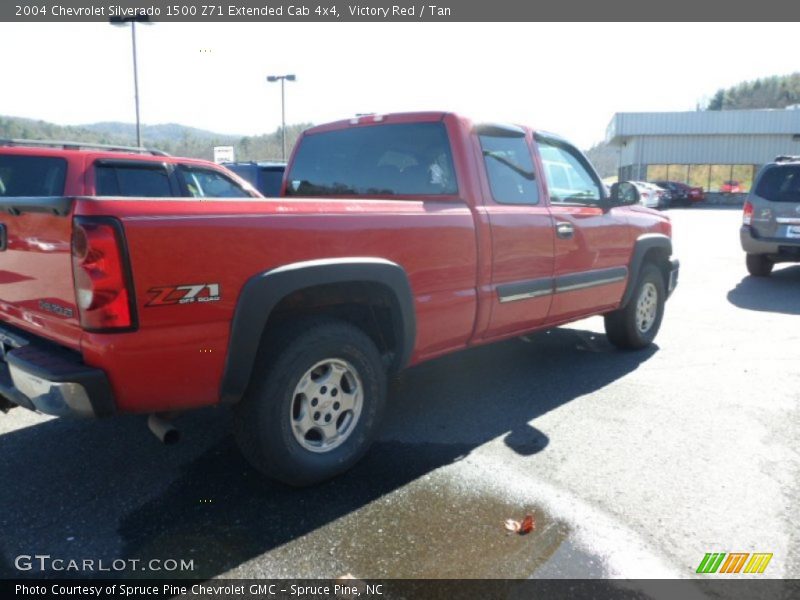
[(183, 294)]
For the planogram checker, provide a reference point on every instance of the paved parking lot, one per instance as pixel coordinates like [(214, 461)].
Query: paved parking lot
[(634, 464)]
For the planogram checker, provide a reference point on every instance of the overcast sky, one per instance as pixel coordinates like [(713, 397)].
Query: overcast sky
[(566, 78)]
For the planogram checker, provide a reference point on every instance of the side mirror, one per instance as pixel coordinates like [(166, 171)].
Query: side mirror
[(624, 194)]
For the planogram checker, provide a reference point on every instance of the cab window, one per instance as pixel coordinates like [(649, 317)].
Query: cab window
[(509, 168), (143, 180), (32, 175), (568, 175), (206, 183)]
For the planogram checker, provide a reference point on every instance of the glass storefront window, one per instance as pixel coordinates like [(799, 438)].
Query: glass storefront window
[(678, 173), (698, 176), (734, 179), (744, 175), (720, 178), (656, 172)]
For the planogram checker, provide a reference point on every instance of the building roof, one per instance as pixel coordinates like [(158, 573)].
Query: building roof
[(707, 122)]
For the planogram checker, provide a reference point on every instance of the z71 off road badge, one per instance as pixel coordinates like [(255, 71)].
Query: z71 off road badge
[(183, 294)]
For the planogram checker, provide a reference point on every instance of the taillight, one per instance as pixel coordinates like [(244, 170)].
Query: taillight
[(747, 214), (100, 272)]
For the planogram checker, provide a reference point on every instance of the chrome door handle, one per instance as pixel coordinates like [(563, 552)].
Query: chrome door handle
[(564, 230)]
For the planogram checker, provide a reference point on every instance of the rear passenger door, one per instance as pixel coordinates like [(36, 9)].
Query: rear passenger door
[(522, 231), (592, 245)]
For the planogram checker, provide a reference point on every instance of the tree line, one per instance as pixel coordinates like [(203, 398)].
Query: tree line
[(778, 91), (174, 139)]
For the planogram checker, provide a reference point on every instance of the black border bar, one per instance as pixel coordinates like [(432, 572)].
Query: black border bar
[(444, 589), (441, 11)]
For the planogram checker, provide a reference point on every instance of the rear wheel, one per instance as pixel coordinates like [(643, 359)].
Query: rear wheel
[(314, 404), (636, 324), (758, 265)]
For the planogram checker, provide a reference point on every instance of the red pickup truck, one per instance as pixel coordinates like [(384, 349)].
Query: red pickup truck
[(397, 239)]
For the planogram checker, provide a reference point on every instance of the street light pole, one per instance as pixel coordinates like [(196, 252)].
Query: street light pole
[(136, 85), (283, 120), (122, 21), (282, 79)]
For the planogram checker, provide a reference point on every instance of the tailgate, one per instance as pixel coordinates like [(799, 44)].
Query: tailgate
[(36, 286), (777, 204)]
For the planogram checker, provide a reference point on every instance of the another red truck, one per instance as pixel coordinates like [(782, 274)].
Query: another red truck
[(399, 238)]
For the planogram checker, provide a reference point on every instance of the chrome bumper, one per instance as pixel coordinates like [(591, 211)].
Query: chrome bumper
[(49, 379)]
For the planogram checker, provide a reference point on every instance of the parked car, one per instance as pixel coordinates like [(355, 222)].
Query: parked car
[(648, 194), (696, 194), (30, 168), (730, 187), (266, 176), (770, 230), (395, 247), (663, 196), (682, 194)]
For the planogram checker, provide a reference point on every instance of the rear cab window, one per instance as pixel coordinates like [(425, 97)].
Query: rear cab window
[(24, 175), (780, 184), (393, 159)]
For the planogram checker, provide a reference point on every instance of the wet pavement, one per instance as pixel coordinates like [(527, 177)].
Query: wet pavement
[(633, 464)]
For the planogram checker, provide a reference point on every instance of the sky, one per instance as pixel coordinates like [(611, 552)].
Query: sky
[(567, 78)]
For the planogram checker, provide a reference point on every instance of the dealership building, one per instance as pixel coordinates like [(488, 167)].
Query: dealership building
[(715, 150)]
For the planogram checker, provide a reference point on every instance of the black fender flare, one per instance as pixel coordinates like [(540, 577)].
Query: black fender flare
[(644, 243), (262, 293)]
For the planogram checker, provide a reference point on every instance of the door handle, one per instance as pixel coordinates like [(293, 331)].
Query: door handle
[(564, 230)]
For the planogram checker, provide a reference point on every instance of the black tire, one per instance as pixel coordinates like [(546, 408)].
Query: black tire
[(263, 420), (758, 265), (622, 326)]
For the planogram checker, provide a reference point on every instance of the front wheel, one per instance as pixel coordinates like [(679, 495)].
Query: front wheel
[(314, 404), (636, 324)]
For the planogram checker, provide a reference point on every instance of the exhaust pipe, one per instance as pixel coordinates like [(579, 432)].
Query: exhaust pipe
[(163, 430)]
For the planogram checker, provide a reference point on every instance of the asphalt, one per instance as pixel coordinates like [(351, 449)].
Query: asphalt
[(633, 464)]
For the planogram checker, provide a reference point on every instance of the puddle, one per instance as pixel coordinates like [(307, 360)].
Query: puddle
[(398, 514), (430, 529)]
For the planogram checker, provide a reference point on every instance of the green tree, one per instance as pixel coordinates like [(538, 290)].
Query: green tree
[(777, 91)]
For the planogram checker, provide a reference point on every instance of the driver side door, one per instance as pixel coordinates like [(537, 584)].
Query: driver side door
[(592, 245)]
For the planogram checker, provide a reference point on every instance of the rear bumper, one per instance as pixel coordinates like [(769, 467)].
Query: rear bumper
[(778, 249), (49, 379)]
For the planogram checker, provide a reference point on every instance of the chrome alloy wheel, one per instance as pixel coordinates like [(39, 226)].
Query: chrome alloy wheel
[(646, 307), (326, 405)]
